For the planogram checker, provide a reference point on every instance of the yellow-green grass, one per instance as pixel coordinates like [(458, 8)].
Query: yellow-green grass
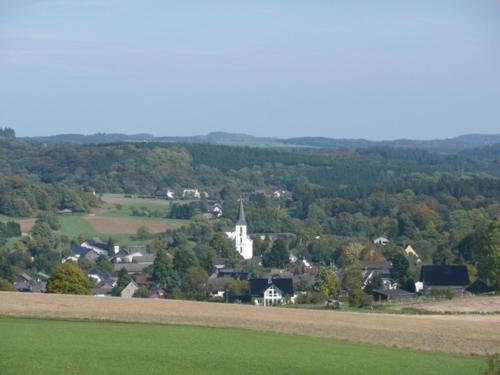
[(32, 346)]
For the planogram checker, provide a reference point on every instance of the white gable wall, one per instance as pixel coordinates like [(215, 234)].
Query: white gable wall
[(272, 296)]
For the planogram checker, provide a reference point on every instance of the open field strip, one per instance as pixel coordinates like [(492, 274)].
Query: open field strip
[(459, 305), (75, 347), (111, 198), (124, 225), (478, 334)]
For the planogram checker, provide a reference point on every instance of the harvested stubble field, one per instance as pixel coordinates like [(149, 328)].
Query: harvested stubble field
[(480, 305), (478, 334)]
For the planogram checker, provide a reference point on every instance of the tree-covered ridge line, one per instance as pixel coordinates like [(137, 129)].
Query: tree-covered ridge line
[(55, 163), (454, 144)]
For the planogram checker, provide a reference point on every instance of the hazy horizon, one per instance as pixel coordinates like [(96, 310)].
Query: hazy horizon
[(255, 135), (414, 70)]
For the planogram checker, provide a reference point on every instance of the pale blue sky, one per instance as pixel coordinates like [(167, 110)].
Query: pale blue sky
[(345, 69)]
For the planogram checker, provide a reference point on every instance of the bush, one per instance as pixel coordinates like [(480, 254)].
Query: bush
[(311, 298), (359, 299), (142, 292), (6, 286)]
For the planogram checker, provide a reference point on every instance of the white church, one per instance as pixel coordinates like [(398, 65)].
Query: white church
[(242, 242)]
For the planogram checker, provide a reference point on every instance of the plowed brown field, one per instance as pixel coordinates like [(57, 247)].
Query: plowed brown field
[(26, 224), (449, 333)]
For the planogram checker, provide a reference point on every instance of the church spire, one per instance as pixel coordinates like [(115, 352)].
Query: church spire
[(241, 219)]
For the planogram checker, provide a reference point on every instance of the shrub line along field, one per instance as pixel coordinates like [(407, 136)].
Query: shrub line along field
[(77, 347), (472, 334)]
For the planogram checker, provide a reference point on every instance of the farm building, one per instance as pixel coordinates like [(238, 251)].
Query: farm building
[(455, 278)]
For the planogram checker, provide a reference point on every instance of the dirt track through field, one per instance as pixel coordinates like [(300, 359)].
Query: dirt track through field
[(449, 333)]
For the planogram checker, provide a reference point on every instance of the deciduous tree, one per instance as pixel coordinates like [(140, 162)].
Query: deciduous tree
[(68, 279)]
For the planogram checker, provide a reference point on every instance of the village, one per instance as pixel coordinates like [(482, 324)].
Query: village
[(128, 271)]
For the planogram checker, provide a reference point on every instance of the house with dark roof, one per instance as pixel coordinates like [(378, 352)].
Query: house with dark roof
[(97, 245), (454, 277), (90, 254), (27, 283), (215, 210), (271, 291), (479, 287), (104, 288), (164, 193), (217, 285), (371, 268), (131, 267)]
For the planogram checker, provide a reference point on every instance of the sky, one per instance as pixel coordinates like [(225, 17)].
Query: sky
[(418, 69)]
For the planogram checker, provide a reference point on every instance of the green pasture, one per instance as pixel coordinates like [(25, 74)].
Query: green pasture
[(32, 346)]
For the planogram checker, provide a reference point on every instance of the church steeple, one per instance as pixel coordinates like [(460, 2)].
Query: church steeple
[(241, 219)]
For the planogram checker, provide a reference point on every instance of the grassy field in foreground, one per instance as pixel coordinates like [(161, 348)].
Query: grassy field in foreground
[(32, 346)]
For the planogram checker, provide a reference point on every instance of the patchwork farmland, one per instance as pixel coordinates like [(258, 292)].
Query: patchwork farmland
[(114, 218)]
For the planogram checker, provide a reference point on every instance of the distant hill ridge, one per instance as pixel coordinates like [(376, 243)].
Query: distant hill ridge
[(459, 143)]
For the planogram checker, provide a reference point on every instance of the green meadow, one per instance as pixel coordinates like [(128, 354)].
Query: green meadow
[(33, 346)]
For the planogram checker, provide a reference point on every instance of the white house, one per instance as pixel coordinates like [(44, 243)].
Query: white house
[(129, 290), (268, 292), (381, 241), (127, 258), (97, 245), (243, 243), (191, 193)]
